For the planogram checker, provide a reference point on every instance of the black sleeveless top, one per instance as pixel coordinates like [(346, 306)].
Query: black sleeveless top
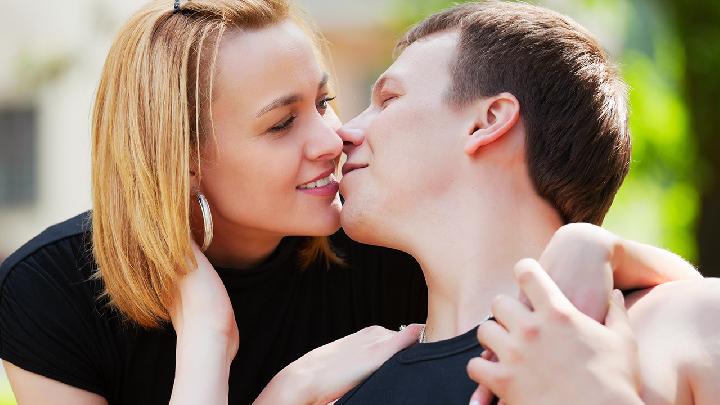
[(53, 324)]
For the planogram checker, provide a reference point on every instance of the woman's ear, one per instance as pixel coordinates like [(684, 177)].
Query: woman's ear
[(194, 179), (497, 115)]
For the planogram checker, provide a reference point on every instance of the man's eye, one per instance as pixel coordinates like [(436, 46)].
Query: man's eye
[(387, 101), (323, 105), (287, 123)]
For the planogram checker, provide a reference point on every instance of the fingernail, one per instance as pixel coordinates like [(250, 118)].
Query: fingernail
[(474, 402), (619, 297)]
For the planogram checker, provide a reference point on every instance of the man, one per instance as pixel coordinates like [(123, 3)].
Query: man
[(497, 124)]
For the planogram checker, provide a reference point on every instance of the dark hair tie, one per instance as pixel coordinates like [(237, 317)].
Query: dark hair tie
[(176, 7)]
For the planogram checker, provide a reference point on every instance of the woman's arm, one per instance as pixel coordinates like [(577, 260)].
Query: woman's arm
[(328, 372), (207, 336), (637, 265), (31, 388), (554, 354), (587, 261)]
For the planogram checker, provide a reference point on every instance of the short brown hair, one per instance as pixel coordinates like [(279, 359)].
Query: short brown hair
[(572, 100)]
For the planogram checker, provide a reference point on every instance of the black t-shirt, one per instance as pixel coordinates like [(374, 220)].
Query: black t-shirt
[(427, 373), (52, 322)]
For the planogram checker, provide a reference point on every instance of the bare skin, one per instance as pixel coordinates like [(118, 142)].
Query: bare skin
[(679, 341), (673, 341), (314, 137), (485, 210)]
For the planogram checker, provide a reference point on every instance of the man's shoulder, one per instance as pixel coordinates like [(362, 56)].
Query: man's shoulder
[(685, 304), (76, 228), (696, 308), (676, 325), (683, 296)]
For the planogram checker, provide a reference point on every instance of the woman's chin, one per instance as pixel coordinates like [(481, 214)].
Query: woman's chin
[(328, 223)]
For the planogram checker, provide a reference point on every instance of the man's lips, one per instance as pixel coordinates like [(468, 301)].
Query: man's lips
[(348, 167)]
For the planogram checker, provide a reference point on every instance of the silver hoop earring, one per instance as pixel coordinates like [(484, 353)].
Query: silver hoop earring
[(207, 220)]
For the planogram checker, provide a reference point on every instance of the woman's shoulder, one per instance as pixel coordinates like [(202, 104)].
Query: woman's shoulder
[(63, 247)]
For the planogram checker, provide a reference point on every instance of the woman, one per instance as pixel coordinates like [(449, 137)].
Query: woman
[(211, 118), (223, 102)]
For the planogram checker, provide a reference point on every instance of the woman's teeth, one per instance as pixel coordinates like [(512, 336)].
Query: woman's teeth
[(315, 184)]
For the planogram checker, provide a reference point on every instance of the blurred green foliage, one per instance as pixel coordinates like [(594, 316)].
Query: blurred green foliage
[(6, 395), (659, 200)]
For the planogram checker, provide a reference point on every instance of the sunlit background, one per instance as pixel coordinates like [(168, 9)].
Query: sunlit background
[(668, 51)]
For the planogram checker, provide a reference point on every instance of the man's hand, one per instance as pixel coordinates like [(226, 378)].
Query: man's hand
[(554, 353)]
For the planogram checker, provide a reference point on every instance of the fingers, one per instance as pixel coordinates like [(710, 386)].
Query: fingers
[(524, 300), (537, 285), (509, 312), (408, 336), (617, 318), (382, 343), (481, 396), (487, 374), (493, 337), (488, 354)]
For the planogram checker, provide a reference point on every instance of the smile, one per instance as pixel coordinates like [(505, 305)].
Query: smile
[(319, 183)]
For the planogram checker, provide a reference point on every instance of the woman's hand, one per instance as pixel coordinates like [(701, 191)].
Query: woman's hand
[(207, 335), (201, 305), (554, 353), (328, 372), (585, 261)]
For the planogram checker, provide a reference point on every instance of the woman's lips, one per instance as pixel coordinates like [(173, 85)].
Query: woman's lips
[(320, 176), (329, 189)]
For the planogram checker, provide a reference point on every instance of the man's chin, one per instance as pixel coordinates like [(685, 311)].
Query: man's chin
[(354, 224)]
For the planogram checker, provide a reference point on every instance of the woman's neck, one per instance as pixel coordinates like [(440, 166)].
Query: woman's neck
[(238, 247)]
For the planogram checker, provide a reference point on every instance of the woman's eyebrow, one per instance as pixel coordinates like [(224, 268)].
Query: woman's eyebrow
[(279, 102), (289, 99)]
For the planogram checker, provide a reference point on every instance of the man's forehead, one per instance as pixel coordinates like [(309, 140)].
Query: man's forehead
[(428, 54)]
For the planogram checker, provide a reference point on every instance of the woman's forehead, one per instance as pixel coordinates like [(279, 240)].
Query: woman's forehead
[(256, 61)]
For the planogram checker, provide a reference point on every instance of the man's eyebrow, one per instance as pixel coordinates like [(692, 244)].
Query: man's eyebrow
[(289, 99), (378, 85), (324, 80)]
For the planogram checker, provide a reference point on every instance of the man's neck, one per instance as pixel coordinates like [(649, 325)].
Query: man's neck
[(468, 257)]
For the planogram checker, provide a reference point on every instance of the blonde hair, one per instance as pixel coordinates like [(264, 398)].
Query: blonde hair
[(147, 129)]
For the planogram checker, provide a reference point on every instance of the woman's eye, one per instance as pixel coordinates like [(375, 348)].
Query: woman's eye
[(323, 105), (285, 124)]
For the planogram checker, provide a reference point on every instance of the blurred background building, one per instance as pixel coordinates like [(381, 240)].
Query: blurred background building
[(668, 51)]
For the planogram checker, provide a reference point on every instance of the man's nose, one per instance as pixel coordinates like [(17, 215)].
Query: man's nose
[(352, 135)]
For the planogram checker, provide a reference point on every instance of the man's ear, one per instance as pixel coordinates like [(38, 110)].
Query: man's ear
[(496, 116)]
